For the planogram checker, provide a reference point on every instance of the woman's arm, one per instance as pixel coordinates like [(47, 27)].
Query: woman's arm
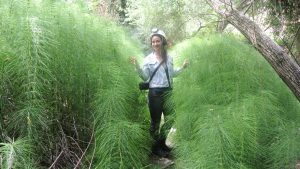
[(178, 70), (143, 72)]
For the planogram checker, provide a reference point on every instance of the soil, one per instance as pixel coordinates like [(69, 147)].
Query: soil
[(161, 162)]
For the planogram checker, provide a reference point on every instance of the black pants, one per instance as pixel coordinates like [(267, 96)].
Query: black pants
[(159, 102)]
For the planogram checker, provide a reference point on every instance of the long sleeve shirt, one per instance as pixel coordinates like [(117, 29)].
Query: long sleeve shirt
[(160, 79)]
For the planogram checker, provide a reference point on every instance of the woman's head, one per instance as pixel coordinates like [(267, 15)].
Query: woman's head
[(159, 42), (158, 33)]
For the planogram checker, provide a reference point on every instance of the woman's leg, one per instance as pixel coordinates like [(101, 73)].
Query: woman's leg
[(155, 104), (169, 115), (156, 108)]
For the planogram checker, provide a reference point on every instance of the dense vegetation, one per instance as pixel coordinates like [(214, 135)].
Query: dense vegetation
[(66, 90), (233, 111), (69, 97)]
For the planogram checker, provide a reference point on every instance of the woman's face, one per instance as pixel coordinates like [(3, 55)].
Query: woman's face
[(156, 43)]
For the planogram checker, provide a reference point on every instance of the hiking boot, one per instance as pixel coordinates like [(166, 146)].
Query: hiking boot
[(161, 153), (158, 150), (164, 146)]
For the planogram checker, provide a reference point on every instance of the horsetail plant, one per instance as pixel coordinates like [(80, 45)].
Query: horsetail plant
[(119, 138), (65, 72), (14, 154), (232, 109)]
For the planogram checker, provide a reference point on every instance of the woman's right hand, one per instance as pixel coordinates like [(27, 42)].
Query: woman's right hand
[(133, 61)]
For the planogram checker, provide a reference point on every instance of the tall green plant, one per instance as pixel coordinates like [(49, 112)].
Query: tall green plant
[(2, 96), (14, 154), (66, 68), (26, 73), (230, 108), (119, 138)]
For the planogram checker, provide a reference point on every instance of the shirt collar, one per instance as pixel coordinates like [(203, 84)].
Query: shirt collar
[(152, 58)]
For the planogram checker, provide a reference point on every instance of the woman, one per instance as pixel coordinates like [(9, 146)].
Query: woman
[(160, 88)]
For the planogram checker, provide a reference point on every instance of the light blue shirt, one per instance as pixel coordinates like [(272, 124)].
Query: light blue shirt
[(160, 79)]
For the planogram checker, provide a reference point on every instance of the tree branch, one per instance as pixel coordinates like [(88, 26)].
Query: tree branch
[(287, 69), (241, 7), (92, 136), (56, 159), (296, 35)]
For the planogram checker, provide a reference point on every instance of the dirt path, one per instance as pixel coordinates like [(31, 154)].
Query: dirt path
[(160, 162)]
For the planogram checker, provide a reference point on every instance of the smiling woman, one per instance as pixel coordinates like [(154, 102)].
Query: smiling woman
[(158, 70)]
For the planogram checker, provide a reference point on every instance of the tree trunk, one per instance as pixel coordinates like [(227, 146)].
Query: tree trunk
[(287, 69), (297, 43)]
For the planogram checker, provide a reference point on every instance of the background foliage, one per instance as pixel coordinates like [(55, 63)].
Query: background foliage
[(185, 18), (283, 17)]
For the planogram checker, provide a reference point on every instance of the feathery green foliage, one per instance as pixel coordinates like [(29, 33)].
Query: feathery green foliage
[(14, 154), (284, 149), (25, 72), (119, 138), (232, 109), (67, 85), (2, 88)]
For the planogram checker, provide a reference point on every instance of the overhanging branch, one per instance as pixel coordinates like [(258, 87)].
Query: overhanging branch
[(287, 69)]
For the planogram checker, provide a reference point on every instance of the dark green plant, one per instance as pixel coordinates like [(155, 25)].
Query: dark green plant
[(61, 70), (15, 154), (284, 150), (231, 108)]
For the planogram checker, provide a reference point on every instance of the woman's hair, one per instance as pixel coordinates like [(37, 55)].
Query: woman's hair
[(164, 52)]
